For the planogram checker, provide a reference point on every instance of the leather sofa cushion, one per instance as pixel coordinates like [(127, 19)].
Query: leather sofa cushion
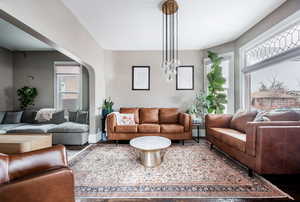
[(149, 128), (168, 115), (231, 137), (240, 120), (149, 115), (284, 116), (171, 128), (127, 129), (134, 111)]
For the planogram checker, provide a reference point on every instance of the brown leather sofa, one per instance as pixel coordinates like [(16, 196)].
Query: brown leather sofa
[(165, 122), (38, 176), (266, 147)]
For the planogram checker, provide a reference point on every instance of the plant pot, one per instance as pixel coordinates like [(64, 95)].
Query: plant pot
[(105, 112)]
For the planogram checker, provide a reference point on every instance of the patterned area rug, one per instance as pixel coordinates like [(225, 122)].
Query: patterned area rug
[(187, 171)]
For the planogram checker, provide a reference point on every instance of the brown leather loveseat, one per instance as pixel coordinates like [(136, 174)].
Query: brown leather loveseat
[(41, 175), (165, 122), (271, 147)]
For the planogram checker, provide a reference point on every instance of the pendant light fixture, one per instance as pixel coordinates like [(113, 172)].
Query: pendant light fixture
[(170, 60)]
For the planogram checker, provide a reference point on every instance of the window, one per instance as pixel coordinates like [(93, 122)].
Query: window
[(279, 43), (68, 86), (270, 68), (277, 87), (227, 65)]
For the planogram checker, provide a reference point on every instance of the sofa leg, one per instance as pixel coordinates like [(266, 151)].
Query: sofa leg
[(117, 142), (182, 142), (250, 172)]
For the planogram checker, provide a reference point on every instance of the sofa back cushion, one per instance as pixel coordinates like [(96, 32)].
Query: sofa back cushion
[(240, 120), (134, 111), (2, 115), (149, 115), (284, 116), (57, 118), (12, 117), (168, 115), (82, 117), (28, 116)]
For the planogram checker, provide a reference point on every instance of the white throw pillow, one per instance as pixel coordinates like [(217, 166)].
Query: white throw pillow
[(261, 117), (125, 119)]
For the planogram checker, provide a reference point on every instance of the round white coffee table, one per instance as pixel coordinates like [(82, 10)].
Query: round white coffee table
[(150, 147)]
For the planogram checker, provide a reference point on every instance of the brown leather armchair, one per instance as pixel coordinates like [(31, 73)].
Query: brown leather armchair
[(38, 176)]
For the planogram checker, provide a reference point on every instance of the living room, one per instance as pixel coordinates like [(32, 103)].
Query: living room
[(161, 100)]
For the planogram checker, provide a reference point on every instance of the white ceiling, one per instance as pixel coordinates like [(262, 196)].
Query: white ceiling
[(13, 38), (137, 24)]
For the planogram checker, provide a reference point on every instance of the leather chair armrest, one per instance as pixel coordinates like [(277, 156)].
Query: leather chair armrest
[(22, 165), (4, 177), (218, 120), (53, 185), (111, 121), (186, 121), (251, 131), (277, 149)]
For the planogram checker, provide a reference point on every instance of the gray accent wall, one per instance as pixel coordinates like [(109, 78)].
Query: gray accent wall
[(118, 74), (40, 65), (6, 80)]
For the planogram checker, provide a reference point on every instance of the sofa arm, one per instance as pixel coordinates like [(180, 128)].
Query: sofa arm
[(218, 120), (111, 122), (186, 121), (21, 165), (4, 177), (53, 185), (277, 149), (251, 131)]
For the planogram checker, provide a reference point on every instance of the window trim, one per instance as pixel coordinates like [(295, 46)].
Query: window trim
[(244, 70), (66, 63), (231, 85)]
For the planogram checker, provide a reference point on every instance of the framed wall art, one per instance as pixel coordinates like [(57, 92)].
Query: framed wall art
[(185, 77), (141, 78)]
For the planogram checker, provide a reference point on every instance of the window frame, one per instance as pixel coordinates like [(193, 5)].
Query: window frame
[(244, 70), (66, 63), (231, 85)]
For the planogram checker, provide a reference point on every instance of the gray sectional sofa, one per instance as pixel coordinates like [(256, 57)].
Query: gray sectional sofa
[(72, 132)]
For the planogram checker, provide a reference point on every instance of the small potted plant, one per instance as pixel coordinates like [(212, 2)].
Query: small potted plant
[(27, 96), (107, 107)]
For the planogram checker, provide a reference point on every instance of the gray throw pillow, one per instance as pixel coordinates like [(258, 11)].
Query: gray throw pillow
[(28, 116), (82, 117), (58, 117), (2, 115), (72, 116), (12, 117)]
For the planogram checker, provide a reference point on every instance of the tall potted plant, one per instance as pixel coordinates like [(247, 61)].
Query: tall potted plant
[(27, 96), (107, 107), (216, 97)]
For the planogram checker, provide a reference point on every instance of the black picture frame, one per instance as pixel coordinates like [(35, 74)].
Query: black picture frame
[(178, 87), (147, 70)]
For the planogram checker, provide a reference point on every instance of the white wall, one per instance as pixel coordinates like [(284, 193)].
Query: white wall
[(58, 27), (6, 80), (118, 77)]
